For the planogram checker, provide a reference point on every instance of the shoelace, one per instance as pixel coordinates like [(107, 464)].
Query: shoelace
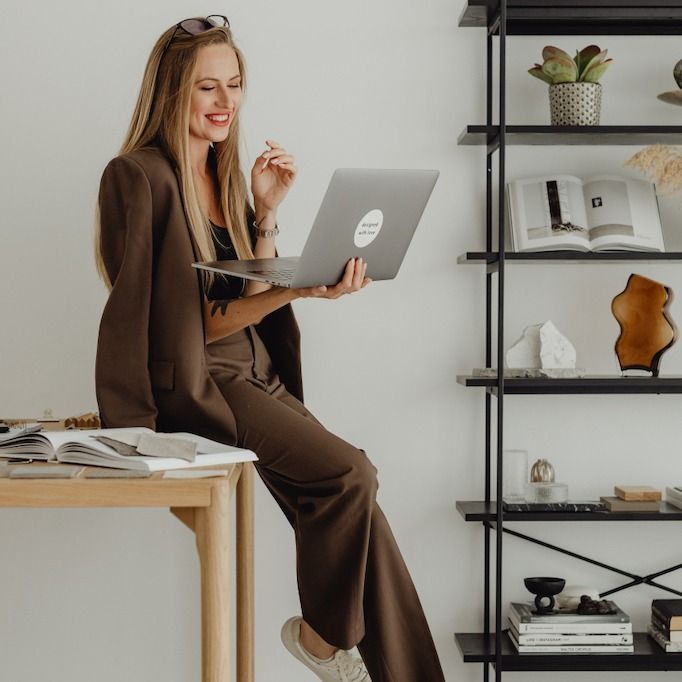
[(352, 669)]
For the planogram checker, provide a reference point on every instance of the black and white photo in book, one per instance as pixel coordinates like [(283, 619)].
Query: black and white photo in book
[(601, 213)]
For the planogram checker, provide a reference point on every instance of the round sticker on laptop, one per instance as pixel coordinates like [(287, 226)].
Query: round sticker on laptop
[(368, 228)]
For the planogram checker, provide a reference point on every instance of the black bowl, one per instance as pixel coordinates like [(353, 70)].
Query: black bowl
[(544, 590), (545, 587)]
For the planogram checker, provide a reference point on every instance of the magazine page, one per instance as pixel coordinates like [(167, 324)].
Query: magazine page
[(548, 213), (622, 214), (28, 446), (84, 439), (141, 463), (79, 447)]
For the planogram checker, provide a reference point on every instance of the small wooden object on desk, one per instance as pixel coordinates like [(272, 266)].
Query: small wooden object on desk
[(638, 493), (87, 420)]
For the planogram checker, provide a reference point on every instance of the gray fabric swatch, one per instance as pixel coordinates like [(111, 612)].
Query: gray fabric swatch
[(155, 445)]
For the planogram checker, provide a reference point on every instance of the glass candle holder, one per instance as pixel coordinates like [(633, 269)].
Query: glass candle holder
[(514, 475)]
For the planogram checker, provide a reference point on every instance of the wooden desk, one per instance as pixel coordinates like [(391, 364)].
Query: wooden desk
[(203, 505)]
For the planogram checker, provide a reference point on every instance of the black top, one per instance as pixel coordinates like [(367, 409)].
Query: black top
[(224, 287)]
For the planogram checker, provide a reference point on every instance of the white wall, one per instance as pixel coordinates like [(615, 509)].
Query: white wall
[(381, 84)]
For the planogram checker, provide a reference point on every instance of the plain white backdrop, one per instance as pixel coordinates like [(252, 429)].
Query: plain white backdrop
[(114, 594)]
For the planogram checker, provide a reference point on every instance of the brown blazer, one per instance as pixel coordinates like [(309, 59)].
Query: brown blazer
[(151, 352)]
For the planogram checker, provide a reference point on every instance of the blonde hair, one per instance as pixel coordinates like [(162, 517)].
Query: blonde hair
[(161, 118)]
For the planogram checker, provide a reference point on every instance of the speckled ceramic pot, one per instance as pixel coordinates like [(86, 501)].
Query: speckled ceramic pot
[(575, 104)]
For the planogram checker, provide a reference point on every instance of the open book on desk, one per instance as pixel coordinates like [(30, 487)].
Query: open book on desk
[(81, 447), (601, 213)]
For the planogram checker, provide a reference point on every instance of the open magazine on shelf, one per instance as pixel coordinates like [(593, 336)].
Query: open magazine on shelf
[(601, 213)]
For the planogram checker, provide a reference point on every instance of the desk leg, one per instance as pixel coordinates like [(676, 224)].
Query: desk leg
[(211, 525), (245, 576)]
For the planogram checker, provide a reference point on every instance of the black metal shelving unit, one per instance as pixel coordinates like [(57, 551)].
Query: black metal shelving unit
[(569, 135), (502, 18), (477, 648), (587, 384), (575, 17), (546, 257), (477, 510)]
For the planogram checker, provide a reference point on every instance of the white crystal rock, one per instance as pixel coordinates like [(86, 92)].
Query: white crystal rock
[(542, 346)]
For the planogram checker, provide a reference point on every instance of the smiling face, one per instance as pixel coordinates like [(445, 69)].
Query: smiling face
[(216, 94)]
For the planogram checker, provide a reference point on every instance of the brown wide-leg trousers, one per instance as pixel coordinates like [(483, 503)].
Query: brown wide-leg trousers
[(353, 584)]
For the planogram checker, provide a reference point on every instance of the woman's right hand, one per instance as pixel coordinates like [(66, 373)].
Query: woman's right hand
[(353, 280)]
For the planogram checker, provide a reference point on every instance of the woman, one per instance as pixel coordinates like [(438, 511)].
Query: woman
[(220, 357)]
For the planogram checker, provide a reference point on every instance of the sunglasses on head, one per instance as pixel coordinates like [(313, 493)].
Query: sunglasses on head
[(196, 26)]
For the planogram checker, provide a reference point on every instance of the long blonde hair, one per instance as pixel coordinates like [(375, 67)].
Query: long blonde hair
[(161, 118)]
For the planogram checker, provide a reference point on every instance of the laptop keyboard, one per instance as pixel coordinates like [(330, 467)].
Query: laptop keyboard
[(278, 273)]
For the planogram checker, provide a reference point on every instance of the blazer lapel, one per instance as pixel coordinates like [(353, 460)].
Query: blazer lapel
[(195, 248)]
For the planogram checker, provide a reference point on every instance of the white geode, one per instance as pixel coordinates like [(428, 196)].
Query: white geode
[(542, 346)]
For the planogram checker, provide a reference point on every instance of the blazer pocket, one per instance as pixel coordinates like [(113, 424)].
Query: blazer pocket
[(162, 374)]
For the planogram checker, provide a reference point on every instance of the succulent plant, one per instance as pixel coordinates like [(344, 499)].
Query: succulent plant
[(588, 65)]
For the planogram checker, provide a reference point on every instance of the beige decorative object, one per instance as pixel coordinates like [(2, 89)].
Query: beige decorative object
[(662, 164), (575, 104), (542, 471), (569, 598), (638, 493)]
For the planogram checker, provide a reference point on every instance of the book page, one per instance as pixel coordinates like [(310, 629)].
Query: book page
[(27, 446), (548, 213), (79, 447), (84, 437), (623, 214), (142, 463)]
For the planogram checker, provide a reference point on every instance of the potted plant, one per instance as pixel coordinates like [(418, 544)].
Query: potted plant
[(574, 93)]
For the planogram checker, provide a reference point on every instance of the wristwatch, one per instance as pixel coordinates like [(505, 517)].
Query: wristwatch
[(268, 234)]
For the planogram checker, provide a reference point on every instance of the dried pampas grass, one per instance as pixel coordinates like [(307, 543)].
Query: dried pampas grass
[(662, 164)]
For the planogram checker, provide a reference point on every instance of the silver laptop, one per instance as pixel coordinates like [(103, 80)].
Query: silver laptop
[(365, 213)]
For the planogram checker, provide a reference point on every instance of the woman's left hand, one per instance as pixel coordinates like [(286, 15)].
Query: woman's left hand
[(272, 175)]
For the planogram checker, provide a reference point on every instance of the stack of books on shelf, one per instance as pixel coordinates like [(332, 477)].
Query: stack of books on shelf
[(666, 624), (673, 495), (634, 498), (567, 632)]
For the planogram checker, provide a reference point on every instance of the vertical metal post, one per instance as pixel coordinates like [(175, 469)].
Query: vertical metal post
[(488, 342), (500, 336)]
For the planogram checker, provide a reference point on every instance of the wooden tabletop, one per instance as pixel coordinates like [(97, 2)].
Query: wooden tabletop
[(154, 491)]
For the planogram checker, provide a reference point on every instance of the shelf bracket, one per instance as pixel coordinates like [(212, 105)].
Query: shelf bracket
[(634, 578)]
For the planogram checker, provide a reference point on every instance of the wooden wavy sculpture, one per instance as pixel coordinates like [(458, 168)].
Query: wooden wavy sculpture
[(646, 328)]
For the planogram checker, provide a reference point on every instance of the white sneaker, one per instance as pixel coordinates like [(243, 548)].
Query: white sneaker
[(341, 667)]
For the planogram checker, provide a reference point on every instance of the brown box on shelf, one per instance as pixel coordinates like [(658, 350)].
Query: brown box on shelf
[(638, 493), (615, 504)]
